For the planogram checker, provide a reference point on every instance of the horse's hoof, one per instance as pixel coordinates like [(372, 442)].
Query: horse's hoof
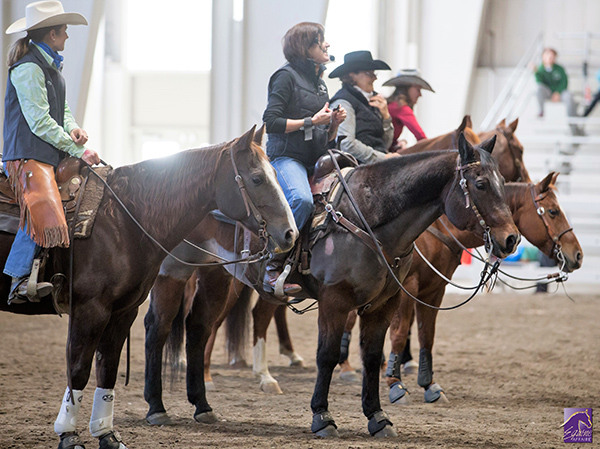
[(324, 426), (398, 394), (159, 419), (111, 440), (238, 364), (70, 440), (206, 417), (380, 425), (328, 432), (435, 395), (271, 387), (387, 431), (297, 362), (210, 386), (410, 367), (350, 376)]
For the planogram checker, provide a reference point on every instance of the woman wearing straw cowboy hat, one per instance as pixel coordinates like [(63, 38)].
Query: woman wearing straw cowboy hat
[(39, 130), (408, 86), (368, 126)]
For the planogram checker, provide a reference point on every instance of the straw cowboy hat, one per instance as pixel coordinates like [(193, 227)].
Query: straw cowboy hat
[(358, 61), (409, 77), (45, 14)]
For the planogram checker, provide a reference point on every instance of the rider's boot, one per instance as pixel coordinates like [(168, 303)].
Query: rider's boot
[(25, 288), (273, 270)]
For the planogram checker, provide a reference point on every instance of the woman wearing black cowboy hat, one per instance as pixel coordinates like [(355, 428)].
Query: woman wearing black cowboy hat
[(368, 125), (408, 86)]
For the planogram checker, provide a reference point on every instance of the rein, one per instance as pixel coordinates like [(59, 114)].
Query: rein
[(248, 203), (380, 253)]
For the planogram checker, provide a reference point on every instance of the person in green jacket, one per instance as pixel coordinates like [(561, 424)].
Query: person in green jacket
[(552, 82)]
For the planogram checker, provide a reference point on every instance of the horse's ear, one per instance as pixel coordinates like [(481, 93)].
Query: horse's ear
[(245, 141), (513, 125), (463, 124), (469, 122), (545, 183), (488, 145), (502, 124), (465, 149), (258, 136)]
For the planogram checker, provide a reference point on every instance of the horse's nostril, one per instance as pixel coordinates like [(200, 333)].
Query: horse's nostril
[(511, 242), (579, 256), (289, 236)]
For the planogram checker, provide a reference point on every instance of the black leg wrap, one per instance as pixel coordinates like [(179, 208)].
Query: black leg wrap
[(406, 356), (425, 368), (378, 421), (70, 440), (344, 347), (322, 420), (393, 366), (111, 440)]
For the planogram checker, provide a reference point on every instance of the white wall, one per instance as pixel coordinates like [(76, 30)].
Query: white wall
[(447, 51)]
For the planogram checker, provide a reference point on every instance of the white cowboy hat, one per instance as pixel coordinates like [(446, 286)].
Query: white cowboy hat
[(45, 14), (408, 77)]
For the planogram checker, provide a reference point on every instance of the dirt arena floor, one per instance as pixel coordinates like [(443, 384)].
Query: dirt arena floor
[(509, 365)]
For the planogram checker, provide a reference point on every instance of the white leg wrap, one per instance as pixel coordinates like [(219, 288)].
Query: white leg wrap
[(66, 421), (101, 421)]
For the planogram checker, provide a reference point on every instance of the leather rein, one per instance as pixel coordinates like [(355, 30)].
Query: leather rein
[(251, 209)]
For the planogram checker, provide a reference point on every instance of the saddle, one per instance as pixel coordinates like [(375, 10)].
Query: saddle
[(75, 186)]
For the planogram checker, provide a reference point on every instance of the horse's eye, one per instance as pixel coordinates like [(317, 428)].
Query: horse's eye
[(257, 180), (480, 184), (553, 212)]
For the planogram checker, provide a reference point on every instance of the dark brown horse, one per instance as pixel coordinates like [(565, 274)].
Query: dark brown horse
[(399, 197), (538, 215), (115, 268), (508, 152)]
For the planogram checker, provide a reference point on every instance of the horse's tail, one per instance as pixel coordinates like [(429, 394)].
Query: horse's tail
[(174, 346), (237, 327)]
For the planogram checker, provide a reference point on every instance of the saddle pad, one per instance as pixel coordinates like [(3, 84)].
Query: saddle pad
[(92, 196), (319, 221)]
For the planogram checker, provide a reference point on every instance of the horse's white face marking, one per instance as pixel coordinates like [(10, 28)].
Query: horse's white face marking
[(329, 247)]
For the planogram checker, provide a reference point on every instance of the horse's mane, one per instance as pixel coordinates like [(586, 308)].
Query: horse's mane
[(171, 183), (399, 172)]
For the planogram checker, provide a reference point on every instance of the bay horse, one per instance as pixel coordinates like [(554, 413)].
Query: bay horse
[(400, 197), (115, 267), (540, 220)]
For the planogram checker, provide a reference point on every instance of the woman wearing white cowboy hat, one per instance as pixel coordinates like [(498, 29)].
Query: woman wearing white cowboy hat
[(401, 103), (368, 125), (39, 130)]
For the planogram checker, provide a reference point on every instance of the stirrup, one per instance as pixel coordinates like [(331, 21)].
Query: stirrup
[(281, 281)]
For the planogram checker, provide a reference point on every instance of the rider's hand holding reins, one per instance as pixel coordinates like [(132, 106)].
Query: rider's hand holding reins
[(90, 157)]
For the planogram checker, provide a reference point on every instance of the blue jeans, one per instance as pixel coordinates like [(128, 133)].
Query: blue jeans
[(23, 251), (293, 178)]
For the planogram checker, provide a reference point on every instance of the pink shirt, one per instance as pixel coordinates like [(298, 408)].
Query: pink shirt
[(404, 116)]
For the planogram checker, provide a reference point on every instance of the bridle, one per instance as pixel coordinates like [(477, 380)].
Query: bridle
[(487, 239), (541, 211), (251, 209)]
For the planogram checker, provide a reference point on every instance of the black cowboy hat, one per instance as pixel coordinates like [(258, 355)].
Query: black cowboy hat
[(409, 77), (358, 61)]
